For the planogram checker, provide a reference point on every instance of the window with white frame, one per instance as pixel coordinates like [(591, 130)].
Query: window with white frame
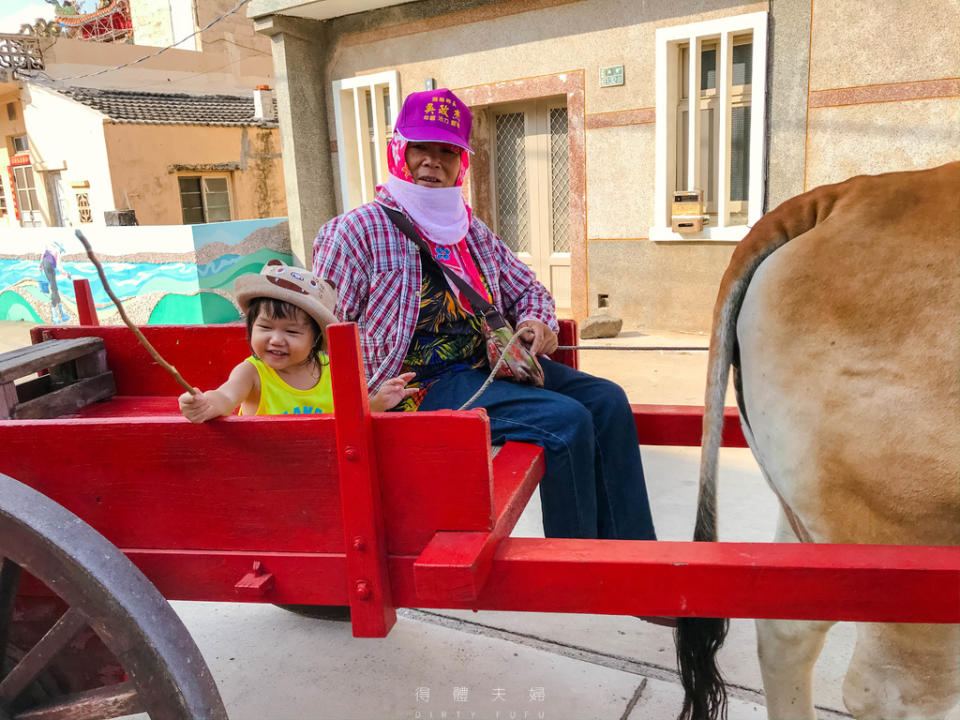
[(711, 139), (365, 109), (204, 199), (24, 185)]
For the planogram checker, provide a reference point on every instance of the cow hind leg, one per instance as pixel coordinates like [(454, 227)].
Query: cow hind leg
[(901, 670), (787, 650)]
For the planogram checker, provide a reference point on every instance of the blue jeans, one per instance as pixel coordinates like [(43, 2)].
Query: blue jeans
[(593, 486)]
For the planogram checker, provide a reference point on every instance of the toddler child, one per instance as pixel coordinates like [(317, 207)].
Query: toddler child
[(288, 310)]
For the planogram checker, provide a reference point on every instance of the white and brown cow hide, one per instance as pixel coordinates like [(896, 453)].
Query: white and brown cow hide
[(840, 313)]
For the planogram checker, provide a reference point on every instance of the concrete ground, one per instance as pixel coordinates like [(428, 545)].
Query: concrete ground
[(271, 664), (14, 335)]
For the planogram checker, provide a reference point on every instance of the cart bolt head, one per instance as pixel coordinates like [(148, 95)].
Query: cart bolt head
[(364, 591), (359, 544), (351, 454)]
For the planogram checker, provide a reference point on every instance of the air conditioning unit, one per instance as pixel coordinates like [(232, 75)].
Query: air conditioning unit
[(687, 215), (120, 217)]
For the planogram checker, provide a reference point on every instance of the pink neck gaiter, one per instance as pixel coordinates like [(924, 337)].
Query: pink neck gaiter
[(440, 214)]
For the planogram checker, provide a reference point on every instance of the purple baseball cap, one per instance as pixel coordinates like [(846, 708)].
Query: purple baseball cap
[(436, 116)]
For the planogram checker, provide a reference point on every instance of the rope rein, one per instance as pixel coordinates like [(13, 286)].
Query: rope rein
[(493, 372), (633, 348)]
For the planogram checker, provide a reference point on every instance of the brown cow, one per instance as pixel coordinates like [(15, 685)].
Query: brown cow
[(840, 313)]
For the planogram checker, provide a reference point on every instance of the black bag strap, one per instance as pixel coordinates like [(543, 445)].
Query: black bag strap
[(493, 316)]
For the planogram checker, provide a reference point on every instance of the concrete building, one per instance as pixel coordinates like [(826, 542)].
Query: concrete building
[(90, 128), (582, 123)]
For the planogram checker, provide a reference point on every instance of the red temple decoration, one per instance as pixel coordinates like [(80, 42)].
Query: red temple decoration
[(108, 23)]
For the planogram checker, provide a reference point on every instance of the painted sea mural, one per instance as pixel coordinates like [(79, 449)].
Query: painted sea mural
[(177, 274)]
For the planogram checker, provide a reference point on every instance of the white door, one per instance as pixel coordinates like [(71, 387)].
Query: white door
[(58, 203), (531, 173)]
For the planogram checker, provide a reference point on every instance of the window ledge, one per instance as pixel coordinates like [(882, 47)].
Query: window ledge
[(732, 233), (204, 167)]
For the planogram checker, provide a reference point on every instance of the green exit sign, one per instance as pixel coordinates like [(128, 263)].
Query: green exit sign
[(611, 75)]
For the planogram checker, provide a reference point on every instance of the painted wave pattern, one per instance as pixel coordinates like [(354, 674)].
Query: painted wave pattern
[(126, 279), (215, 266), (130, 280)]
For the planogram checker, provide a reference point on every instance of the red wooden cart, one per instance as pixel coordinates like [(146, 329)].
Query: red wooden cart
[(373, 510)]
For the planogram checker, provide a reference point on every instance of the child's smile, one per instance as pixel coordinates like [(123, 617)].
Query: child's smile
[(283, 343)]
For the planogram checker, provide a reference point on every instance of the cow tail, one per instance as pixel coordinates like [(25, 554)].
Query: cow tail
[(699, 639)]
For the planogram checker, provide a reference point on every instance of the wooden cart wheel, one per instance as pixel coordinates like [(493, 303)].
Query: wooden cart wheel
[(159, 669)]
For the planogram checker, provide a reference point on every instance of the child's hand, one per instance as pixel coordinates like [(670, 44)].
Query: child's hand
[(392, 392), (197, 408), (203, 406)]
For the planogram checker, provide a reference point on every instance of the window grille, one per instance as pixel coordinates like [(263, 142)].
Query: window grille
[(559, 180), (513, 222)]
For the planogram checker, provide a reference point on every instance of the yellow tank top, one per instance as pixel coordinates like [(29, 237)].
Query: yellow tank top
[(278, 398)]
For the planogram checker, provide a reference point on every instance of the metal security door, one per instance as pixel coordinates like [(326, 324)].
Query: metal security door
[(531, 170)]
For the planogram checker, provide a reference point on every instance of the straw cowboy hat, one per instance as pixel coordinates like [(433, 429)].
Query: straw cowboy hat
[(293, 285)]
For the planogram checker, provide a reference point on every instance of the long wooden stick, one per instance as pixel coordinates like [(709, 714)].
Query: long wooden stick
[(123, 316)]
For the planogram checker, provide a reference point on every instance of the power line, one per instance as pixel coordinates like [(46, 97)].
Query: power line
[(158, 52), (245, 47), (161, 86)]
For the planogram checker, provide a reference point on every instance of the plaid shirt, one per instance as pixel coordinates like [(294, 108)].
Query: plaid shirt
[(376, 270)]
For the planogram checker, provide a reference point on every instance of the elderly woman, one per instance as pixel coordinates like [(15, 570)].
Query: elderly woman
[(412, 318)]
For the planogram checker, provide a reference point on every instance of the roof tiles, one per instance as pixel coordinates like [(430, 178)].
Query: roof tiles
[(127, 106)]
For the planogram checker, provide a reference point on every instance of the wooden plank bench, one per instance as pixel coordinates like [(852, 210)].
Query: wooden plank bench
[(76, 376)]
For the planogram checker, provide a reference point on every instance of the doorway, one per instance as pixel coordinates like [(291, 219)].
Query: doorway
[(57, 201), (530, 169)]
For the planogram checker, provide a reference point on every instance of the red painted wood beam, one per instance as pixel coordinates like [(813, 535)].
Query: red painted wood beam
[(568, 338), (86, 309), (682, 425), (457, 564), (210, 575), (368, 583), (678, 425), (879, 583), (874, 583), (136, 373)]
